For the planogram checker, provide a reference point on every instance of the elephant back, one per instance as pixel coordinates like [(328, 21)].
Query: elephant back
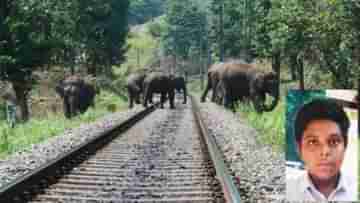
[(158, 82), (236, 78), (236, 71), (215, 69)]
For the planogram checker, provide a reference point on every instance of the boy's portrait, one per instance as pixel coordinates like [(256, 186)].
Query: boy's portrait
[(321, 147)]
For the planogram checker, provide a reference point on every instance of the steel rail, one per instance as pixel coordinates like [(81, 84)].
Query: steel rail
[(230, 191), (13, 191)]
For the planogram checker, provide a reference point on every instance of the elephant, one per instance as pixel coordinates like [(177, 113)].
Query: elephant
[(212, 82), (157, 82), (180, 85), (238, 81), (134, 86), (77, 95)]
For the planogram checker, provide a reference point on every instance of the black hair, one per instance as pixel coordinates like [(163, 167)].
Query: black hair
[(321, 109)]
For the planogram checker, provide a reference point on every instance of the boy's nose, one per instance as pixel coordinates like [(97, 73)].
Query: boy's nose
[(324, 150)]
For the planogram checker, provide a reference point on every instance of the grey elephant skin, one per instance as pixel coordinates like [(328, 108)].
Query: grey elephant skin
[(239, 81), (134, 86), (180, 86), (157, 82), (77, 95)]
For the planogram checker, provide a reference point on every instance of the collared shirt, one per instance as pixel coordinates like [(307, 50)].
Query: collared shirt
[(301, 188)]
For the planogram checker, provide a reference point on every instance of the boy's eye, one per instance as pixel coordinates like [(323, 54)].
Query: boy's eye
[(334, 142), (312, 142)]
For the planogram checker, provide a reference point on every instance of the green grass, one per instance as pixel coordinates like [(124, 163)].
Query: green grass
[(37, 130), (270, 125)]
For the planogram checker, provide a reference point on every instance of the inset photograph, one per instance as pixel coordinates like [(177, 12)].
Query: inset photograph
[(321, 145)]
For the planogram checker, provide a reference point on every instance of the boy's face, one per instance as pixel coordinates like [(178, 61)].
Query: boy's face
[(322, 148)]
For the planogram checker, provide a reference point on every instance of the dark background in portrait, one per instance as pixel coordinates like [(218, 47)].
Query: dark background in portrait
[(294, 100)]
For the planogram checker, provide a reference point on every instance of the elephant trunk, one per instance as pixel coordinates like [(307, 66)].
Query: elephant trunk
[(275, 95)]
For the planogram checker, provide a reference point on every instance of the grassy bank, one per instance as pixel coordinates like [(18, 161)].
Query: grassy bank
[(37, 130), (270, 125)]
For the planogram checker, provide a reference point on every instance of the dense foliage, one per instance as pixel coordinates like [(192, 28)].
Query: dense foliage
[(320, 37), (144, 10), (35, 33), (185, 34)]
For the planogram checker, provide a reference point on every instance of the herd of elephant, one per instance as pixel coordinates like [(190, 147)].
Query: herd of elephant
[(235, 81), (79, 95), (145, 85), (230, 83)]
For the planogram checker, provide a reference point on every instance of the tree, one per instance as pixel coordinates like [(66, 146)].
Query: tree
[(25, 44), (185, 28), (144, 10), (102, 30)]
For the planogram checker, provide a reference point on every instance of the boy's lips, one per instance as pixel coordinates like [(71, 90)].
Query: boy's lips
[(325, 165)]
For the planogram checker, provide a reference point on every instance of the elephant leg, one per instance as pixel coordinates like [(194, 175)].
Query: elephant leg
[(208, 87), (228, 99), (171, 99), (131, 102), (137, 99), (233, 105), (151, 99), (185, 95), (162, 100), (215, 87), (146, 96), (67, 112), (76, 106), (220, 93), (257, 103), (72, 107)]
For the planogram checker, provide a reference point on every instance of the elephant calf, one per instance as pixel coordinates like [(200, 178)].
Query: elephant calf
[(159, 83), (77, 95), (134, 86)]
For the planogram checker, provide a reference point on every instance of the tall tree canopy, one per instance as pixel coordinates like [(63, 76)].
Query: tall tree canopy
[(186, 28), (143, 10)]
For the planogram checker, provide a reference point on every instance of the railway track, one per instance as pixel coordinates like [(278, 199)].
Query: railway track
[(149, 158)]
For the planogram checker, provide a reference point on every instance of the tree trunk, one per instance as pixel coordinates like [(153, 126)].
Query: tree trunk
[(276, 62), (293, 67), (21, 92), (300, 64)]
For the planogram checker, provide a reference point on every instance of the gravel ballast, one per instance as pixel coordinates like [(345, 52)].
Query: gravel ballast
[(259, 171), (23, 162)]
